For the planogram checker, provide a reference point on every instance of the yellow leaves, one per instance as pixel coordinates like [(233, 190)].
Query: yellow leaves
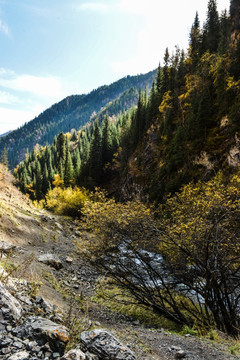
[(111, 222), (66, 201), (203, 216), (58, 182), (166, 103), (232, 84), (30, 187)]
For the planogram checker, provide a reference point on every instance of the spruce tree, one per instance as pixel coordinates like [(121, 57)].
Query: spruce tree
[(212, 27), (106, 142), (74, 136), (45, 180), (69, 171), (225, 31), (77, 164), (38, 181), (195, 39), (165, 75), (24, 181), (61, 148), (95, 158)]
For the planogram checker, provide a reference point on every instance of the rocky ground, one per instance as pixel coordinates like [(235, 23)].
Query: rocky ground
[(44, 255)]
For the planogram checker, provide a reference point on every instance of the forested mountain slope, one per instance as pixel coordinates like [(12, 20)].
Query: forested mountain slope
[(72, 113)]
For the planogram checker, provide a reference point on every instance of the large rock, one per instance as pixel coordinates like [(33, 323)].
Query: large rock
[(102, 343), (51, 259), (38, 328), (6, 248), (9, 305), (74, 354), (22, 355)]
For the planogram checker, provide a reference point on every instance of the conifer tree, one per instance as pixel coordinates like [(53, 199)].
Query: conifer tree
[(61, 148), (159, 81), (95, 158), (27, 156), (69, 171), (74, 136), (76, 164), (61, 169), (225, 30), (38, 181), (195, 39), (24, 180), (165, 76), (212, 27), (140, 119), (45, 180), (106, 142)]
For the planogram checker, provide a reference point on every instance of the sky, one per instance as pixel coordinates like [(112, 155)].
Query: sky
[(51, 49)]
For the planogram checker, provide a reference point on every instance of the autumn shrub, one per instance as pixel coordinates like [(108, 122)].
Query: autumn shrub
[(67, 201), (182, 261), (201, 245)]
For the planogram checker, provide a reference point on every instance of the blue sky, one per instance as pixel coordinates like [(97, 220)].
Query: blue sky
[(54, 48)]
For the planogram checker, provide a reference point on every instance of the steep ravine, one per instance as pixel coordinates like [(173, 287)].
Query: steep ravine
[(35, 233)]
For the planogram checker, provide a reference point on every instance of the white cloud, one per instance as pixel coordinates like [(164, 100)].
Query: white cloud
[(11, 119), (26, 96), (137, 6), (47, 86), (158, 31), (6, 98), (98, 7), (4, 28), (6, 72)]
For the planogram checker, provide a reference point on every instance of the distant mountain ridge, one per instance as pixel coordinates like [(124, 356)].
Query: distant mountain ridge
[(5, 134), (73, 112)]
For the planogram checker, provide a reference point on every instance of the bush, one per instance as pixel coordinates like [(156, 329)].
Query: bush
[(68, 201)]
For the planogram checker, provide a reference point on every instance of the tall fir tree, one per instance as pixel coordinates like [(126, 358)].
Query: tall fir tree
[(95, 157), (106, 142), (195, 40), (45, 181), (61, 149), (38, 181), (69, 171), (212, 27)]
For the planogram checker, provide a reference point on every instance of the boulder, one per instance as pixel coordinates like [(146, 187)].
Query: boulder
[(6, 248), (74, 354), (38, 328), (69, 260), (9, 305), (52, 260), (58, 226), (22, 355), (102, 343)]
